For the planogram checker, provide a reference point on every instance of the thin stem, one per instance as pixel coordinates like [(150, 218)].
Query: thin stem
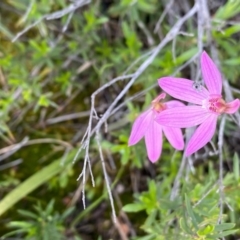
[(220, 151)]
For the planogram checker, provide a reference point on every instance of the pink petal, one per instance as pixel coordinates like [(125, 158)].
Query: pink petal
[(153, 140), (183, 89), (173, 103), (174, 136), (233, 106), (182, 117), (140, 127), (202, 135), (211, 75)]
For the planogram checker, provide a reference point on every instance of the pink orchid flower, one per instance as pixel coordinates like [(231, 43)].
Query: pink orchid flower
[(146, 126), (210, 104)]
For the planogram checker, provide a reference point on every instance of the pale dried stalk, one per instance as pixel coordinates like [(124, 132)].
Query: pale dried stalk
[(167, 8), (204, 25), (86, 140), (229, 97), (108, 184), (143, 92), (58, 14), (10, 150), (220, 153), (177, 180)]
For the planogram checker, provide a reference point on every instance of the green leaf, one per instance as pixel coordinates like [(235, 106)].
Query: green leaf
[(184, 226), (18, 231), (102, 20), (186, 55), (131, 37), (20, 224), (147, 7), (230, 9), (153, 189), (50, 207), (27, 95), (34, 182), (224, 234), (236, 166), (125, 152), (205, 231), (228, 32), (151, 218), (133, 207), (190, 211), (43, 101), (27, 214), (6, 31), (148, 237), (67, 212), (232, 61), (224, 226)]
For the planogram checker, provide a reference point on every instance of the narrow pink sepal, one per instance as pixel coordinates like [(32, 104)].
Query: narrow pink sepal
[(211, 74), (182, 117), (202, 135), (140, 126), (233, 106), (183, 89), (159, 97), (153, 140), (174, 136)]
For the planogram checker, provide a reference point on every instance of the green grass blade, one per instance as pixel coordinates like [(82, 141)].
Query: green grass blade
[(33, 182)]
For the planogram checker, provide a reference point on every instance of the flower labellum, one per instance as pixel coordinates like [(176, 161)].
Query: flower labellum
[(146, 126), (209, 104)]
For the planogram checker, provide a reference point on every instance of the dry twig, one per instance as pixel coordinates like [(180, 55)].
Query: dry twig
[(55, 15), (220, 152), (86, 140)]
